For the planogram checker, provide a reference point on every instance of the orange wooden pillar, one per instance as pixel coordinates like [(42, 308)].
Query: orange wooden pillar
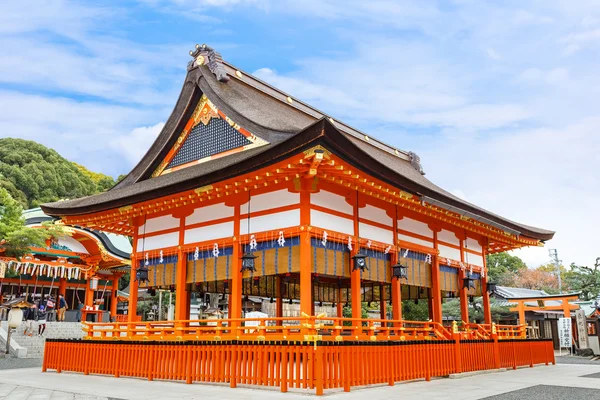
[(355, 276), (306, 295), (396, 288), (133, 282), (235, 298), (181, 292), (436, 290), (113, 297), (521, 308), (89, 293), (62, 287), (340, 304)]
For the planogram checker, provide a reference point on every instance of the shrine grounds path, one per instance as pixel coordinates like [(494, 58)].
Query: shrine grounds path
[(564, 381)]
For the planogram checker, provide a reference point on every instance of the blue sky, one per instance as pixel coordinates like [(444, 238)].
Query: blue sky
[(500, 99)]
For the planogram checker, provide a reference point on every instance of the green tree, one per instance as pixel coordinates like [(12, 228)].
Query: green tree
[(15, 238), (412, 311), (584, 279), (451, 308), (34, 174), (502, 265)]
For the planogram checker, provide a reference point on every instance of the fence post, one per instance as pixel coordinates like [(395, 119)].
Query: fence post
[(284, 369), (457, 355), (530, 356), (496, 346), (188, 365), (318, 369)]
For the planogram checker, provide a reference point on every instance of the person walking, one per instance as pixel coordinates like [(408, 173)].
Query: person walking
[(62, 308), (41, 318), (30, 316)]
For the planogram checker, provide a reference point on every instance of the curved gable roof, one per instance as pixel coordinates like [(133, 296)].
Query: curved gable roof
[(289, 126)]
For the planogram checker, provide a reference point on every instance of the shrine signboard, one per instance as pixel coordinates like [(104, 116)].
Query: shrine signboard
[(564, 332), (582, 332)]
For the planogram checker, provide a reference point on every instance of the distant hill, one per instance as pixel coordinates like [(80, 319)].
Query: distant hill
[(34, 174)]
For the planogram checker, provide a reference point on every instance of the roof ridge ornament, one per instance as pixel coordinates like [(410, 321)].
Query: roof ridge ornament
[(415, 161), (204, 55)]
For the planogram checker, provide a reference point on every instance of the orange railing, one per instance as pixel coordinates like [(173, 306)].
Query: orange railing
[(316, 365), (270, 329), (125, 318)]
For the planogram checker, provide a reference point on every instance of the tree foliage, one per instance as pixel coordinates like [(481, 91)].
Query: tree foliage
[(34, 174), (15, 237), (584, 279), (502, 266)]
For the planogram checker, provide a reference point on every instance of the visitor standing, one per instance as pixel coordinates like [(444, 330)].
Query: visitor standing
[(62, 308), (50, 308), (30, 316), (41, 318), (79, 308)]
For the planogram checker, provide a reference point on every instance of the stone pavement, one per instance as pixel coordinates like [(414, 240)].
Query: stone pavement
[(541, 382)]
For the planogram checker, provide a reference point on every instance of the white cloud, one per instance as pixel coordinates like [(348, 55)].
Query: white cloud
[(137, 142), (80, 131)]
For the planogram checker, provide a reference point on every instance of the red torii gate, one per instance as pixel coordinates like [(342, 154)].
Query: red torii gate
[(565, 307)]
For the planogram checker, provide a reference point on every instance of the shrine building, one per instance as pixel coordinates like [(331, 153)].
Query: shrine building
[(84, 266), (248, 191)]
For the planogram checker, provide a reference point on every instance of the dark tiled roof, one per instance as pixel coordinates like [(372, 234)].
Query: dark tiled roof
[(288, 125)]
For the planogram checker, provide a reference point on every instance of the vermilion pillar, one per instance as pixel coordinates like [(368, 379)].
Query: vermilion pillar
[(235, 298), (62, 287), (356, 272), (436, 290), (182, 295), (89, 293), (306, 303), (340, 304), (181, 292), (396, 288), (133, 282)]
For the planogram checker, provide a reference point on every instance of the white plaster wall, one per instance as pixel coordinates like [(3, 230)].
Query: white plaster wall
[(411, 239), (332, 201), (474, 259), (217, 231), (414, 226), (375, 233), (159, 241), (209, 213), (375, 214), (449, 252), (448, 237), (267, 201), (159, 224), (271, 221), (331, 222), (473, 244), (73, 244)]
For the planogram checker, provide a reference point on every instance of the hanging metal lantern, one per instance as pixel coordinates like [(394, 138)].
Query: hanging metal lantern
[(360, 262), (468, 281), (94, 283), (142, 274), (400, 271), (248, 262), (491, 287)]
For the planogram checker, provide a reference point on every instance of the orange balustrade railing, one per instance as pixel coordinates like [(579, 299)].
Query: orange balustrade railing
[(270, 329), (289, 364)]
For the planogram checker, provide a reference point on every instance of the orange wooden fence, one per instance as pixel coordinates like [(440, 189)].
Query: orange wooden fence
[(319, 365)]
